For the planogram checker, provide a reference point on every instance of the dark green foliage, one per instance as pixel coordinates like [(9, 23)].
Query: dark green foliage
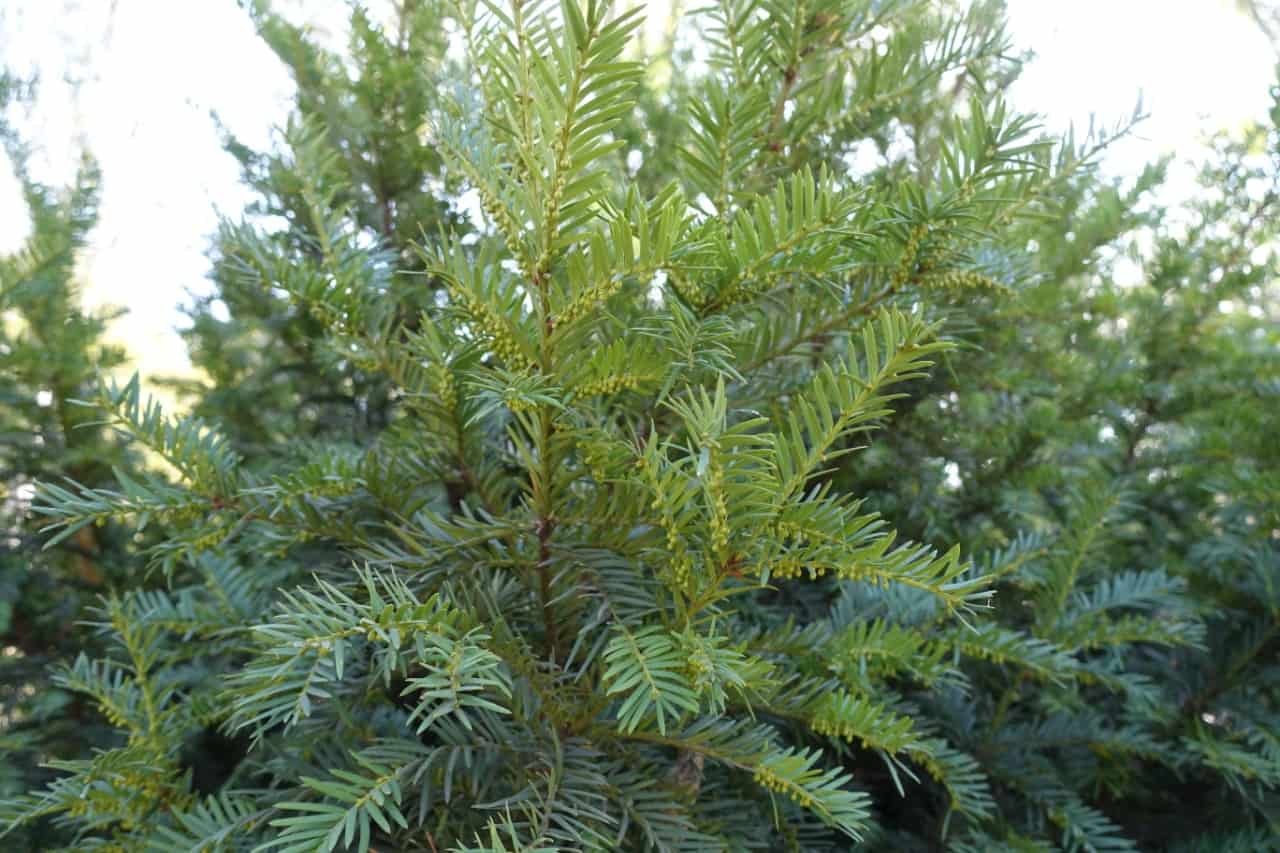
[(591, 459), (1109, 447), (50, 355), (356, 172)]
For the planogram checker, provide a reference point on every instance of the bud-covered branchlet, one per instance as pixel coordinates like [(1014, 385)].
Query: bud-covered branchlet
[(495, 329)]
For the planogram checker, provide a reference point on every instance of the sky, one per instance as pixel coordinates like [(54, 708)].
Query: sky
[(150, 73)]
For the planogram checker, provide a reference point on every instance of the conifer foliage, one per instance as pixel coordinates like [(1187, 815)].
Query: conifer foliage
[(51, 351), (1108, 456), (527, 509)]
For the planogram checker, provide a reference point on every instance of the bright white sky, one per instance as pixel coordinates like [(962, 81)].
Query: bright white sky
[(152, 70)]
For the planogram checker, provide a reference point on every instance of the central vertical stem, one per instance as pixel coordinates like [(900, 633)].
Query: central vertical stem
[(545, 527), (544, 498)]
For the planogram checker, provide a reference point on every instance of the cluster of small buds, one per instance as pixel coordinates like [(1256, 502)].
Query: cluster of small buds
[(501, 217), (589, 298), (208, 540), (516, 403), (446, 387), (680, 569), (505, 346), (788, 568), (910, 255), (964, 280), (115, 715), (967, 188), (735, 296), (831, 727), (698, 294), (719, 523), (609, 385), (698, 666), (596, 459), (931, 257), (785, 531), (180, 515), (758, 282), (719, 507), (673, 535), (860, 572), (766, 778), (83, 804), (151, 786)]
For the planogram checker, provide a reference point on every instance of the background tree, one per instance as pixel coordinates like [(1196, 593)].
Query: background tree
[(52, 352), (1104, 443), (1265, 14), (269, 380)]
